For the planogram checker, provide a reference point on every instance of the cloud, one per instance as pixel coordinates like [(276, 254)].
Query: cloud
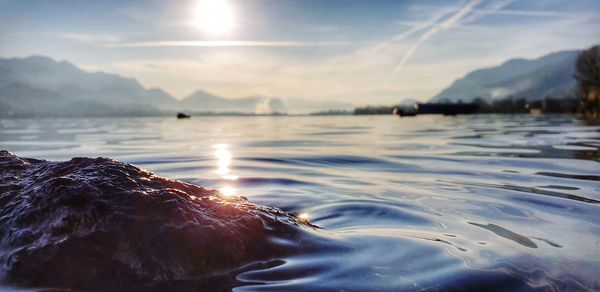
[(449, 23), (466, 14), (371, 54), (528, 13), (114, 41), (230, 43), (88, 38), (434, 51), (414, 29), (496, 8), (492, 8), (358, 75)]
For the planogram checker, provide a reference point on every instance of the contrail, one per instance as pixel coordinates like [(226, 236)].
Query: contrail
[(401, 36), (465, 15), (477, 14), (449, 23), (364, 53)]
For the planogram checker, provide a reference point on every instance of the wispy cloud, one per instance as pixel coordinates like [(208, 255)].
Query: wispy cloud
[(367, 55), (530, 13), (492, 8), (231, 43), (449, 42), (414, 29), (466, 14), (87, 38), (114, 41), (449, 23)]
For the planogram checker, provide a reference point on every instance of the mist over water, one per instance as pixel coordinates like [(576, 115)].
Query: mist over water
[(482, 201)]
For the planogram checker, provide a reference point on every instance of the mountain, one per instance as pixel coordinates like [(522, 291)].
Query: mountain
[(40, 86), (550, 75), (204, 101)]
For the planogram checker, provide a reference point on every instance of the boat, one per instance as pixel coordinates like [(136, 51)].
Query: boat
[(405, 112)]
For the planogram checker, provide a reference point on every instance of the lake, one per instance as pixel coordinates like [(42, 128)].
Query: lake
[(430, 202)]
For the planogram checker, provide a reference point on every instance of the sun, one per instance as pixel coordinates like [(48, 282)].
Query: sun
[(214, 17)]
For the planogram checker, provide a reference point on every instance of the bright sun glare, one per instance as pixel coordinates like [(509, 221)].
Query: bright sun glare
[(214, 17), (227, 191)]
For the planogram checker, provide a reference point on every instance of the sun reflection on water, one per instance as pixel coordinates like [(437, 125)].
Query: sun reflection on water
[(224, 158), (303, 217), (230, 177), (227, 191)]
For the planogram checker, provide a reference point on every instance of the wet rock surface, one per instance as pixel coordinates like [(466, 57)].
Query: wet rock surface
[(99, 224)]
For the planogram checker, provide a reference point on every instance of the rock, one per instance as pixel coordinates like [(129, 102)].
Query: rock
[(99, 224), (183, 116)]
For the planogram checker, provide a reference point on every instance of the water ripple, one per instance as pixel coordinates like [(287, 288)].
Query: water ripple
[(478, 202)]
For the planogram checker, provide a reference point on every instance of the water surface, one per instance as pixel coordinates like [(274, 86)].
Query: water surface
[(483, 201)]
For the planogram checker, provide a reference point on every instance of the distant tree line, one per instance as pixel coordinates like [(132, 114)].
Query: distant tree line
[(375, 110), (331, 113), (585, 99), (566, 103), (587, 70), (514, 105)]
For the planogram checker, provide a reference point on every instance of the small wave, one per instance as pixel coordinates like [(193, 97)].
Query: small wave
[(503, 232), (572, 176), (536, 191), (371, 213), (273, 181), (334, 160)]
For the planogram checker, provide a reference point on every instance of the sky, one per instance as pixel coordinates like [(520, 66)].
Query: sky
[(360, 52)]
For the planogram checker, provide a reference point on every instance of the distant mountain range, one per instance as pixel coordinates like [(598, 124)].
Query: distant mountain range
[(40, 86), (550, 75)]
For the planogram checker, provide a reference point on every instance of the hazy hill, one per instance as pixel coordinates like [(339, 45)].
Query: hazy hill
[(40, 86), (550, 75), (204, 101)]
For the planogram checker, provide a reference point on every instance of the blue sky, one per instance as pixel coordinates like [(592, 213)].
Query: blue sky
[(362, 52)]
